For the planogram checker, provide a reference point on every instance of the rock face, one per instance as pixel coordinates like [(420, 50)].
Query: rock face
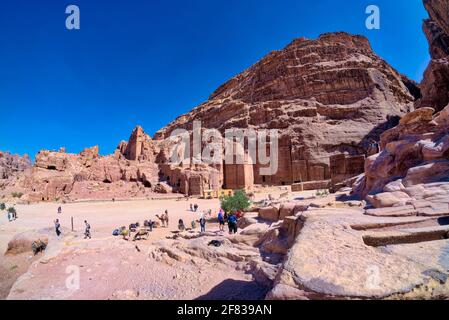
[(139, 147), (413, 153), (12, 169), (435, 85), (129, 172), (327, 96), (12, 165)]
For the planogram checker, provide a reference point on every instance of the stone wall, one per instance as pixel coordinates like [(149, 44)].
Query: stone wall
[(343, 167)]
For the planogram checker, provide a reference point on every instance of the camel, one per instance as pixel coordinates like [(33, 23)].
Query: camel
[(164, 219)]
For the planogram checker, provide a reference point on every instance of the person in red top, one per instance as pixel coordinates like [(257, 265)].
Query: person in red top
[(238, 214)]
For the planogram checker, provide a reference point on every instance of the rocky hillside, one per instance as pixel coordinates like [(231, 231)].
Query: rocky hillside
[(435, 85), (12, 165), (412, 169), (327, 96)]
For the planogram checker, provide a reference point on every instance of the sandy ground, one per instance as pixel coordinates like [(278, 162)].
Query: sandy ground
[(104, 217)]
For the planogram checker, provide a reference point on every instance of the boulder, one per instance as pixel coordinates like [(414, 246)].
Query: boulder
[(388, 199), (291, 209), (249, 218), (270, 213), (22, 242), (419, 115)]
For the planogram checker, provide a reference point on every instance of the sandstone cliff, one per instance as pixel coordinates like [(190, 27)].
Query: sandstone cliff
[(129, 172), (435, 85), (326, 96), (413, 164), (12, 165)]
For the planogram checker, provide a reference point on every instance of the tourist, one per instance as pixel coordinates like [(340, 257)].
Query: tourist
[(232, 224), (195, 207), (87, 231), (9, 217), (59, 210), (57, 227), (193, 224), (238, 214), (166, 217), (149, 224), (203, 224), (221, 220), (191, 207), (181, 226)]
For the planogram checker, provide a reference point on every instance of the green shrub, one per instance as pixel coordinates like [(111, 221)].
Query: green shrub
[(239, 201), (2, 206), (12, 210)]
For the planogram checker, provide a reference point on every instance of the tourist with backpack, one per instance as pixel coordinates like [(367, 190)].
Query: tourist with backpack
[(221, 220), (232, 224)]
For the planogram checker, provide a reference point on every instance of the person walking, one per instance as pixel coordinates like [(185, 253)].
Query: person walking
[(195, 207), (181, 225), (166, 217), (191, 207), (87, 230), (59, 210), (203, 224), (221, 220), (57, 227), (232, 224)]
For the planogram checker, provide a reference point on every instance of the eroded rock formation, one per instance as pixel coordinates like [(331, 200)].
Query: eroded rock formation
[(412, 170), (414, 152), (327, 96), (435, 85), (65, 176), (12, 165)]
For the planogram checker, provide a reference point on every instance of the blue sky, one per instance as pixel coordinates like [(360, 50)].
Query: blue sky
[(146, 62)]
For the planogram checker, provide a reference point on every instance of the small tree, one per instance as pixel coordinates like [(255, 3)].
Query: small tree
[(2, 206), (12, 210), (239, 201)]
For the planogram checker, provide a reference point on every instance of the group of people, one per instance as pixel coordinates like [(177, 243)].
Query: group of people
[(230, 219), (194, 207), (223, 218), (12, 216), (58, 231)]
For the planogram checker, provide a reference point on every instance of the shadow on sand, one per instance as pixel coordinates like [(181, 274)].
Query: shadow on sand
[(231, 289)]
